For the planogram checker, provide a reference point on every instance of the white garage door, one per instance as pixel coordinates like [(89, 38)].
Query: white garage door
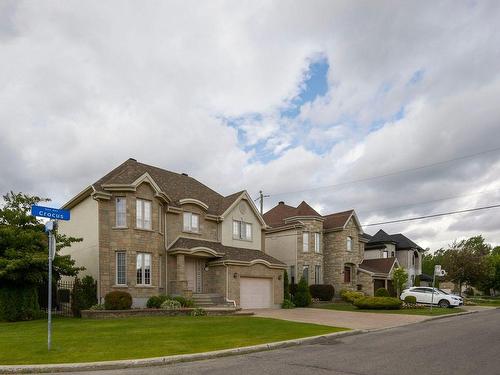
[(256, 293)]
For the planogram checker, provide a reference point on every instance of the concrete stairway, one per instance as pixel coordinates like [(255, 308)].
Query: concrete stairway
[(205, 300)]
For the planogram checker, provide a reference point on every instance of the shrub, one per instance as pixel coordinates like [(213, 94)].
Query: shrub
[(469, 291), (293, 290), (99, 306), (84, 295), (286, 286), (198, 312), (156, 301), (350, 296), (63, 295), (378, 303), (324, 292), (171, 304), (410, 301), (302, 298), (287, 304), (118, 300), (382, 292), (185, 302), (18, 303)]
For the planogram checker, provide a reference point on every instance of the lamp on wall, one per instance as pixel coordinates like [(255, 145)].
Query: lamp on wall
[(235, 275), (206, 267), (279, 277)]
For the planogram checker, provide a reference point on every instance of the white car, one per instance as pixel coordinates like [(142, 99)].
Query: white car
[(424, 295)]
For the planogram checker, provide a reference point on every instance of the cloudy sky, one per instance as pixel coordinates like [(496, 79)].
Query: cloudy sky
[(307, 100)]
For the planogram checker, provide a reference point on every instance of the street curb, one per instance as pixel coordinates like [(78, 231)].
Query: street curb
[(158, 361)]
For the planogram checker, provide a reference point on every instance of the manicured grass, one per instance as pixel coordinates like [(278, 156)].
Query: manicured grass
[(82, 340), (348, 307), (486, 301)]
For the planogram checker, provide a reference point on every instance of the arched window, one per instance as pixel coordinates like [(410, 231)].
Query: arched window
[(349, 243)]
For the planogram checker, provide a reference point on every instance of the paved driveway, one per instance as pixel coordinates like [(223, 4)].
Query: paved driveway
[(348, 319)]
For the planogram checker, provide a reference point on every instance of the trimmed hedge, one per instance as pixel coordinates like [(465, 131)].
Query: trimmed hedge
[(410, 301), (19, 304), (378, 303), (118, 300), (156, 301), (302, 297), (350, 296), (382, 292), (324, 292), (185, 302)]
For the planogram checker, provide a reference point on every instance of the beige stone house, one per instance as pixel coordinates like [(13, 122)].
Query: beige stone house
[(323, 249), (149, 231)]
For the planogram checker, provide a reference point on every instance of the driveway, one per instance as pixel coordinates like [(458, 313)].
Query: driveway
[(348, 319)]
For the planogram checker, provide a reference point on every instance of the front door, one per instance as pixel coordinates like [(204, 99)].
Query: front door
[(194, 274)]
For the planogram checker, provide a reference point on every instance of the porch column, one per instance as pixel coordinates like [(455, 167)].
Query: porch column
[(181, 274)]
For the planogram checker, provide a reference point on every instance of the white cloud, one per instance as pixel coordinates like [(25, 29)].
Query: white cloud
[(86, 85)]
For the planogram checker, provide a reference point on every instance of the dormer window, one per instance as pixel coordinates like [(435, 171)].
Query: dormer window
[(143, 214), (242, 230), (191, 222)]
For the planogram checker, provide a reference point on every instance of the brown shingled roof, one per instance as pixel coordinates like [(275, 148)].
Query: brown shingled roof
[(276, 216), (226, 252), (380, 265), (176, 185), (337, 220)]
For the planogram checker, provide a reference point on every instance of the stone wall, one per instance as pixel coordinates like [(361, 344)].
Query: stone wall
[(336, 257), (310, 258), (366, 282), (132, 240)]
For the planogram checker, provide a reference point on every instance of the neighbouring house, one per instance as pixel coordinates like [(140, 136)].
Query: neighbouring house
[(149, 231), (377, 273), (409, 255), (323, 249)]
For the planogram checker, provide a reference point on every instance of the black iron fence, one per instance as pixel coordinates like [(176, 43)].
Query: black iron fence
[(61, 297)]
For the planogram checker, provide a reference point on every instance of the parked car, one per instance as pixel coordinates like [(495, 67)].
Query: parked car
[(425, 296)]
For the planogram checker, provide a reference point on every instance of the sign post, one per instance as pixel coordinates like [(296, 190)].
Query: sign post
[(50, 227)]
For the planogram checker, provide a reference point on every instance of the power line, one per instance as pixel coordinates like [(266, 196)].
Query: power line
[(432, 216), (370, 178), (427, 202)]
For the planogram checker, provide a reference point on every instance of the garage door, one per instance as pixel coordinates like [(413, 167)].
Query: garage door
[(256, 293)]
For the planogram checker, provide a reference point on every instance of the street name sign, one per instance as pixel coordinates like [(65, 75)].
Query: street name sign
[(50, 213)]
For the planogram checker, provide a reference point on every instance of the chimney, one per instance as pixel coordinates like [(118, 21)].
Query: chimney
[(184, 174), (281, 202)]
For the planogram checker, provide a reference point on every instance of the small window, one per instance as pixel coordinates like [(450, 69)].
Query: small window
[(143, 268), (316, 243), (349, 243), (347, 274), (385, 254), (143, 214), (121, 268), (191, 222), (305, 273), (121, 212), (305, 242), (242, 230), (318, 279)]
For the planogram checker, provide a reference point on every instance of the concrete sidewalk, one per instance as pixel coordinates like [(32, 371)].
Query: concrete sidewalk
[(347, 319)]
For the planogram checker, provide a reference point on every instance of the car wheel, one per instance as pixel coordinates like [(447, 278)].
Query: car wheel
[(444, 303)]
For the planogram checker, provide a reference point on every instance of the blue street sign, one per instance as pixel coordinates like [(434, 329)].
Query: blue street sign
[(50, 213)]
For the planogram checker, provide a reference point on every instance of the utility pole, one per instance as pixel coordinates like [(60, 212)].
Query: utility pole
[(261, 199)]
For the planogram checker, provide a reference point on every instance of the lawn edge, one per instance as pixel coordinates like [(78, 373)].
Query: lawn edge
[(166, 360)]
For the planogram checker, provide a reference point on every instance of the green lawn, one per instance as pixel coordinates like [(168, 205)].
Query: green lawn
[(486, 301), (426, 311), (82, 340)]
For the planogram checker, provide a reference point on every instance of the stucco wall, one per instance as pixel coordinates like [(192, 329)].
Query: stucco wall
[(283, 246), (83, 224), (242, 212)]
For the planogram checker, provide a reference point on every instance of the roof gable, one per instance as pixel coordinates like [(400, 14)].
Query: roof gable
[(380, 265)]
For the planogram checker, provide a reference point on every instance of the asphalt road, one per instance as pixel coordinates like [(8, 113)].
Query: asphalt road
[(468, 344)]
